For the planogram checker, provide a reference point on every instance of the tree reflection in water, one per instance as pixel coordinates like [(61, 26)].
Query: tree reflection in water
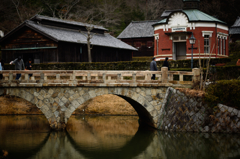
[(108, 137)]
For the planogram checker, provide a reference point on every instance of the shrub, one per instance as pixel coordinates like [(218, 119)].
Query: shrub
[(225, 92)]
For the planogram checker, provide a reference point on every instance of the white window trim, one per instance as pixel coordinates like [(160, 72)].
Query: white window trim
[(156, 36), (222, 35), (207, 33)]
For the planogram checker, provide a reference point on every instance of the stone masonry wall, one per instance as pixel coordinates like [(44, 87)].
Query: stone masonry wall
[(182, 113), (58, 103)]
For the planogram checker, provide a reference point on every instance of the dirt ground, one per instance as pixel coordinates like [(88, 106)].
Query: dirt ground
[(102, 105)]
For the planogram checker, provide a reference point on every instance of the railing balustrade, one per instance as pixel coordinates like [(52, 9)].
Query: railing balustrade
[(97, 78)]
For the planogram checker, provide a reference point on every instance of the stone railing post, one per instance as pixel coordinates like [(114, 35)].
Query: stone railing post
[(57, 76), (10, 77), (134, 78), (89, 76), (164, 74), (26, 77), (104, 77), (41, 77), (196, 75), (119, 77)]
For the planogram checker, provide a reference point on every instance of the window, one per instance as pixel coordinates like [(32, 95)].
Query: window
[(206, 44), (224, 46), (175, 38), (221, 46), (183, 37), (138, 44), (149, 44), (218, 45)]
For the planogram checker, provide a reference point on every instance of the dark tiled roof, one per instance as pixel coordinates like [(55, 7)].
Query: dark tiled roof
[(235, 29), (73, 36), (137, 29), (41, 17), (237, 22)]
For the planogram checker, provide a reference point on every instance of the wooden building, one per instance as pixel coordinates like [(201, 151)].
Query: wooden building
[(46, 39), (173, 32), (139, 34), (234, 31)]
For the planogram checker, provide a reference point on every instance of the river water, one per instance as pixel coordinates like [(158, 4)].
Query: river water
[(107, 137)]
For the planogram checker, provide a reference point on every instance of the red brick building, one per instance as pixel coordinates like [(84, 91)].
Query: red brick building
[(172, 34)]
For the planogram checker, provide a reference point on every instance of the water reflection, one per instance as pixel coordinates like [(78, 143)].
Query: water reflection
[(108, 137)]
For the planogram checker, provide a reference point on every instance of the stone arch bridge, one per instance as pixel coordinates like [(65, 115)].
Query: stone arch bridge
[(59, 93)]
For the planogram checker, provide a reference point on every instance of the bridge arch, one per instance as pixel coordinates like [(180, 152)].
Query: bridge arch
[(58, 104)]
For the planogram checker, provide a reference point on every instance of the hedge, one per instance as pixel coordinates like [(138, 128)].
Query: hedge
[(126, 65), (225, 92)]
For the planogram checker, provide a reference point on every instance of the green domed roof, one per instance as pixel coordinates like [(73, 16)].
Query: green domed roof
[(194, 15)]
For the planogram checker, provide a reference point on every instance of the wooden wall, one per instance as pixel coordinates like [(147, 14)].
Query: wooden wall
[(143, 50)]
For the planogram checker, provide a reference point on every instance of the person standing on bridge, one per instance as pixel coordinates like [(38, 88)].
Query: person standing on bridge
[(1, 68), (166, 64), (19, 65), (153, 67)]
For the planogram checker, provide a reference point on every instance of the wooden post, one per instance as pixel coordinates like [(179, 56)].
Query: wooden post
[(196, 75), (164, 74), (73, 77)]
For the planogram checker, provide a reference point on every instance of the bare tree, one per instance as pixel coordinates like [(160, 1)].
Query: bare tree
[(16, 4), (89, 36), (60, 9)]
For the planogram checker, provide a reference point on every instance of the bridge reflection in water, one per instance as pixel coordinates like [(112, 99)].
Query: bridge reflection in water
[(89, 137)]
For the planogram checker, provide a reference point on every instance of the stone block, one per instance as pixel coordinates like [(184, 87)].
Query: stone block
[(71, 92), (57, 100), (86, 96), (29, 97), (82, 92), (148, 92), (80, 100), (154, 92), (135, 96), (150, 108), (143, 93), (55, 94), (75, 104), (63, 109), (230, 109), (138, 90), (34, 100), (56, 113), (141, 100), (40, 97), (67, 114), (154, 113), (42, 93), (48, 114), (64, 100), (154, 103), (44, 109), (36, 94), (92, 94), (50, 92), (39, 104), (72, 109), (60, 95), (61, 104)]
